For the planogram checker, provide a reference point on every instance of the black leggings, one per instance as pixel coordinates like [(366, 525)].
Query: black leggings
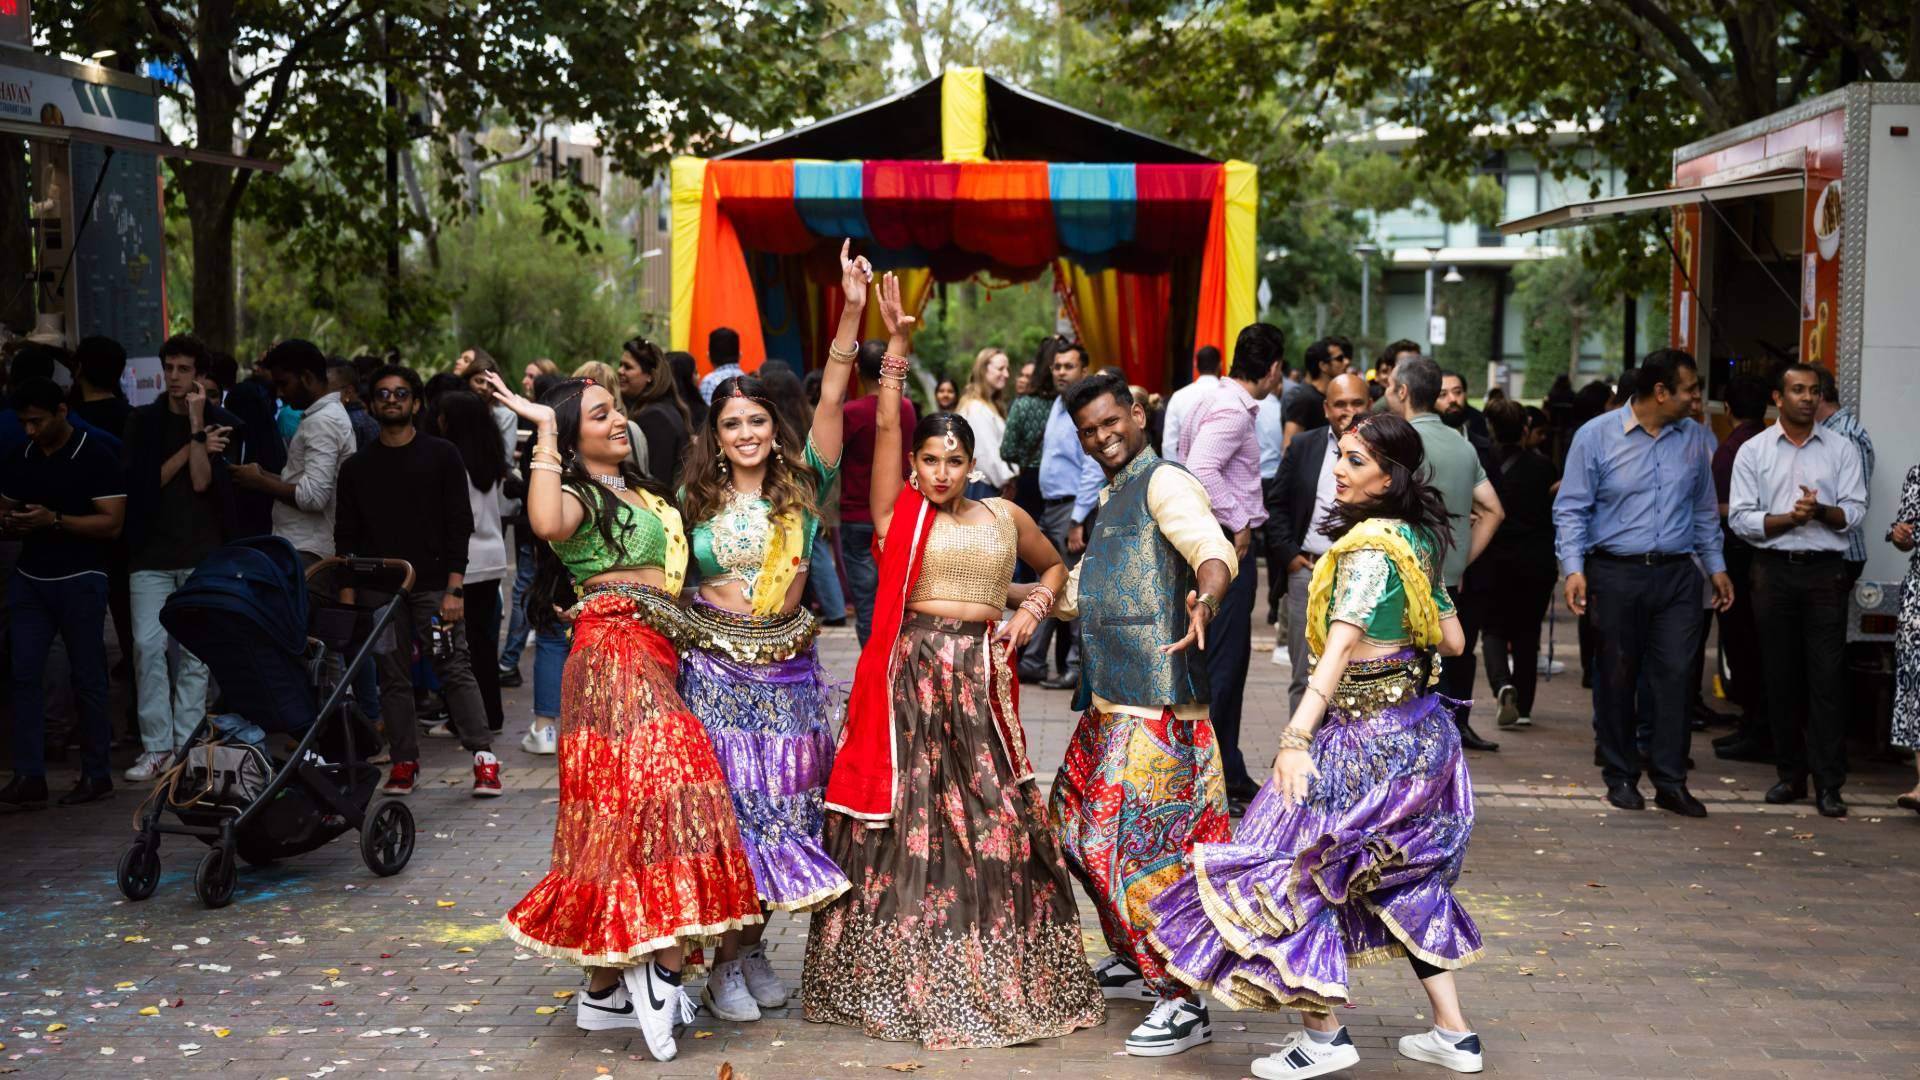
[(1421, 969)]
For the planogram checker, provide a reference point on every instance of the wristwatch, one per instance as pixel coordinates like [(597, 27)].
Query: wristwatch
[(1212, 602), (458, 590), (200, 436)]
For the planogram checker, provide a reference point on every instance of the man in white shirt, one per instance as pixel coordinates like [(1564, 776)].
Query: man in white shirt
[(304, 491), (723, 352), (1797, 489), (1297, 502), (1206, 362)]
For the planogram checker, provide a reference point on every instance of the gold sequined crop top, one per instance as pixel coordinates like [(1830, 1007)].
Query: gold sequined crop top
[(969, 564)]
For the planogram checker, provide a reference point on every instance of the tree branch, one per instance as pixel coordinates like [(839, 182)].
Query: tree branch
[(167, 28), (1696, 75), (333, 22)]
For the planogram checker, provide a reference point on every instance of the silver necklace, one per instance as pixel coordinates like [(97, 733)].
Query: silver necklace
[(617, 483)]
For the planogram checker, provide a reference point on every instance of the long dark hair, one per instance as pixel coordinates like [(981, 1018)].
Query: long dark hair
[(790, 483), (552, 584), (1040, 383), (660, 379), (467, 422), (1396, 446)]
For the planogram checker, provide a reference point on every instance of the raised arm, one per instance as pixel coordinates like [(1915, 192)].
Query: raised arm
[(552, 515), (828, 426), (884, 487)]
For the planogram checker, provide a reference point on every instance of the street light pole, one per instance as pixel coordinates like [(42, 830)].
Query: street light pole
[(1365, 250), (1433, 256)]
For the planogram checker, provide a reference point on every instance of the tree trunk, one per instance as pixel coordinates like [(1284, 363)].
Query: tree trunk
[(215, 310), (1573, 350), (16, 239)]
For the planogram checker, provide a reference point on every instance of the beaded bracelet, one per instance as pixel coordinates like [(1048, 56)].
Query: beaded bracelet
[(1291, 739), (545, 466), (895, 365), (1039, 602)]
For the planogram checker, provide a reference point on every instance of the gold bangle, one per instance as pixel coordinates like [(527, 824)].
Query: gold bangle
[(848, 356), (545, 466), (1293, 739)]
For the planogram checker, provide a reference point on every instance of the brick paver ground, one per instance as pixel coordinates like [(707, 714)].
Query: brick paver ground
[(1760, 942)]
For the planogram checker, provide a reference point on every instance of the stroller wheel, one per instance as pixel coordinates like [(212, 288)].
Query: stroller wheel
[(214, 879), (139, 871), (386, 838)]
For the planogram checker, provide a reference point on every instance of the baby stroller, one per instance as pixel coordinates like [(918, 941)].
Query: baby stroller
[(282, 674)]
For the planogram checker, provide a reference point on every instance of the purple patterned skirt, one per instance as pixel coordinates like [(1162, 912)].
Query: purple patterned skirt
[(757, 686), (1362, 871)]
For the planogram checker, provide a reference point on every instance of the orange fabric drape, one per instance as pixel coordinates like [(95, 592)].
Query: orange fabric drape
[(722, 287), (1004, 210), (1210, 323), (758, 196)]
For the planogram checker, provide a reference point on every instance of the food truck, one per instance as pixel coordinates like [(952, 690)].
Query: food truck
[(1794, 237)]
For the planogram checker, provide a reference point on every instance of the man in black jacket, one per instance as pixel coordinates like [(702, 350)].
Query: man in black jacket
[(1297, 500), (179, 508), (405, 497)]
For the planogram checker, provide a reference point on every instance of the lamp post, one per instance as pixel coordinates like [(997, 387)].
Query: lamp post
[(1365, 249), (1433, 256)]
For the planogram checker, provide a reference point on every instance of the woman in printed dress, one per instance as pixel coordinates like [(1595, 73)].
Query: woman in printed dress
[(648, 862), (1350, 852), (960, 928), (1905, 535), (749, 669)]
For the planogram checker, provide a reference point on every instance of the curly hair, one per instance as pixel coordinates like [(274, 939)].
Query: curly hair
[(790, 484)]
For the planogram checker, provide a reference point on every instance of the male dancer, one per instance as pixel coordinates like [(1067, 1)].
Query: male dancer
[(1141, 783)]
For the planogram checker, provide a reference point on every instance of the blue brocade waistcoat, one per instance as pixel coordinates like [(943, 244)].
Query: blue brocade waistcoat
[(1133, 600)]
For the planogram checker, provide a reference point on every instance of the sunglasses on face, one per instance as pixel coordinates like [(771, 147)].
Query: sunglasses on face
[(393, 393)]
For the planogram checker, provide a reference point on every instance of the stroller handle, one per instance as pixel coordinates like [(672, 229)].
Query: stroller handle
[(366, 566)]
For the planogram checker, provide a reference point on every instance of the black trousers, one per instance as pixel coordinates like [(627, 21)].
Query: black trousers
[(1801, 611), (1229, 648), (483, 648), (1510, 634), (1456, 672), (1740, 641), (1645, 620)]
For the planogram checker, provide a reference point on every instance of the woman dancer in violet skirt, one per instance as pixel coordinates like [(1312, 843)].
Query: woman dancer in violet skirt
[(960, 928), (1350, 852), (748, 668), (647, 857)]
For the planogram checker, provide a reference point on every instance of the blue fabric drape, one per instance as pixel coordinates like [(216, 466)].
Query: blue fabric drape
[(828, 195), (1093, 205)]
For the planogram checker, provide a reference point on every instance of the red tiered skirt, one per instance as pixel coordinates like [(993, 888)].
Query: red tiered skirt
[(646, 850)]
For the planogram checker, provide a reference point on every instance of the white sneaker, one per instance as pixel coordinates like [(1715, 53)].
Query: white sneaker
[(614, 1010), (658, 1005), (1546, 666), (1175, 1024), (726, 995), (1434, 1049), (1300, 1056), (1282, 656), (1523, 722), (149, 765), (1509, 707), (540, 740), (1118, 979), (765, 986)]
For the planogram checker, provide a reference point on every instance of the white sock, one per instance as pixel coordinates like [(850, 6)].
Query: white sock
[(1325, 1038), (1450, 1036)]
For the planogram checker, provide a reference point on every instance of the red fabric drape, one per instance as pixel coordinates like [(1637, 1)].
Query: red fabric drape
[(758, 196), (909, 204), (1172, 206), (1004, 210), (1210, 320)]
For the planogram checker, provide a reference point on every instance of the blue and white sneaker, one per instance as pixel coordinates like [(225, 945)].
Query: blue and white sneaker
[(1175, 1024), (1436, 1049), (1301, 1056), (1119, 979)]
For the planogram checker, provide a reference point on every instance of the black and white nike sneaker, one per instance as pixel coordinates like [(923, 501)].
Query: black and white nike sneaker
[(1174, 1025), (1300, 1056), (609, 1009), (1119, 979), (658, 1005)]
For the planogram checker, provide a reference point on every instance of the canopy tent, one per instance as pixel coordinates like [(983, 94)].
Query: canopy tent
[(1151, 246)]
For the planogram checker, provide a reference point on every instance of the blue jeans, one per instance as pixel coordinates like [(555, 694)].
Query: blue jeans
[(550, 648), (824, 580), (517, 626), (75, 608), (170, 704), (863, 574)]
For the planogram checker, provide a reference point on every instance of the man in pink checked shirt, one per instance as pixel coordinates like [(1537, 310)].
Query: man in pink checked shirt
[(1219, 446)]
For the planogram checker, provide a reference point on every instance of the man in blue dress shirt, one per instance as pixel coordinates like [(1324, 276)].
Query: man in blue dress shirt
[(1636, 509), (1070, 484)]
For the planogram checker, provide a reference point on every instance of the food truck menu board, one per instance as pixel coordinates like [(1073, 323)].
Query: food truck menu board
[(118, 257)]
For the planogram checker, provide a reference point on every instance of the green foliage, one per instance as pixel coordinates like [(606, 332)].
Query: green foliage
[(1555, 298), (972, 317), (1469, 308)]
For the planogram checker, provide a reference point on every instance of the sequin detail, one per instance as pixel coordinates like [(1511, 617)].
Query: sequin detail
[(646, 850), (969, 564), (960, 929)]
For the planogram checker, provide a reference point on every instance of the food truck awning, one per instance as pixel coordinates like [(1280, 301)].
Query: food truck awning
[(1582, 212)]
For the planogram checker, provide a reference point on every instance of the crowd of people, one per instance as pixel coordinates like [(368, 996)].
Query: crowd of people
[(670, 546)]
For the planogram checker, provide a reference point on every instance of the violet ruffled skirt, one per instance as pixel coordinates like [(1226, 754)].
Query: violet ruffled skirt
[(1362, 871), (771, 726)]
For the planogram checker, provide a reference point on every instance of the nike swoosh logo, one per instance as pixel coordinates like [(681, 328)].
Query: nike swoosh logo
[(651, 999), (624, 1010)]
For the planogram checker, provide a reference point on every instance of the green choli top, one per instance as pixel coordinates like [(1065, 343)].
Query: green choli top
[(732, 544), (641, 540), (1369, 593)]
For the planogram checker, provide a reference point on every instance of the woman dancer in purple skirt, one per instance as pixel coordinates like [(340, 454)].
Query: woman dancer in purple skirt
[(1350, 852), (748, 667)]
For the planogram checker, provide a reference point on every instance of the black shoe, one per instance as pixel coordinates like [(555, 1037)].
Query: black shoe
[(1680, 801), (1237, 807), (88, 790), (1626, 796), (841, 621), (510, 678), (1032, 674), (1242, 790), (24, 793), (1471, 740), (1731, 738), (1783, 793), (1830, 805), (1745, 750), (1066, 680)]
